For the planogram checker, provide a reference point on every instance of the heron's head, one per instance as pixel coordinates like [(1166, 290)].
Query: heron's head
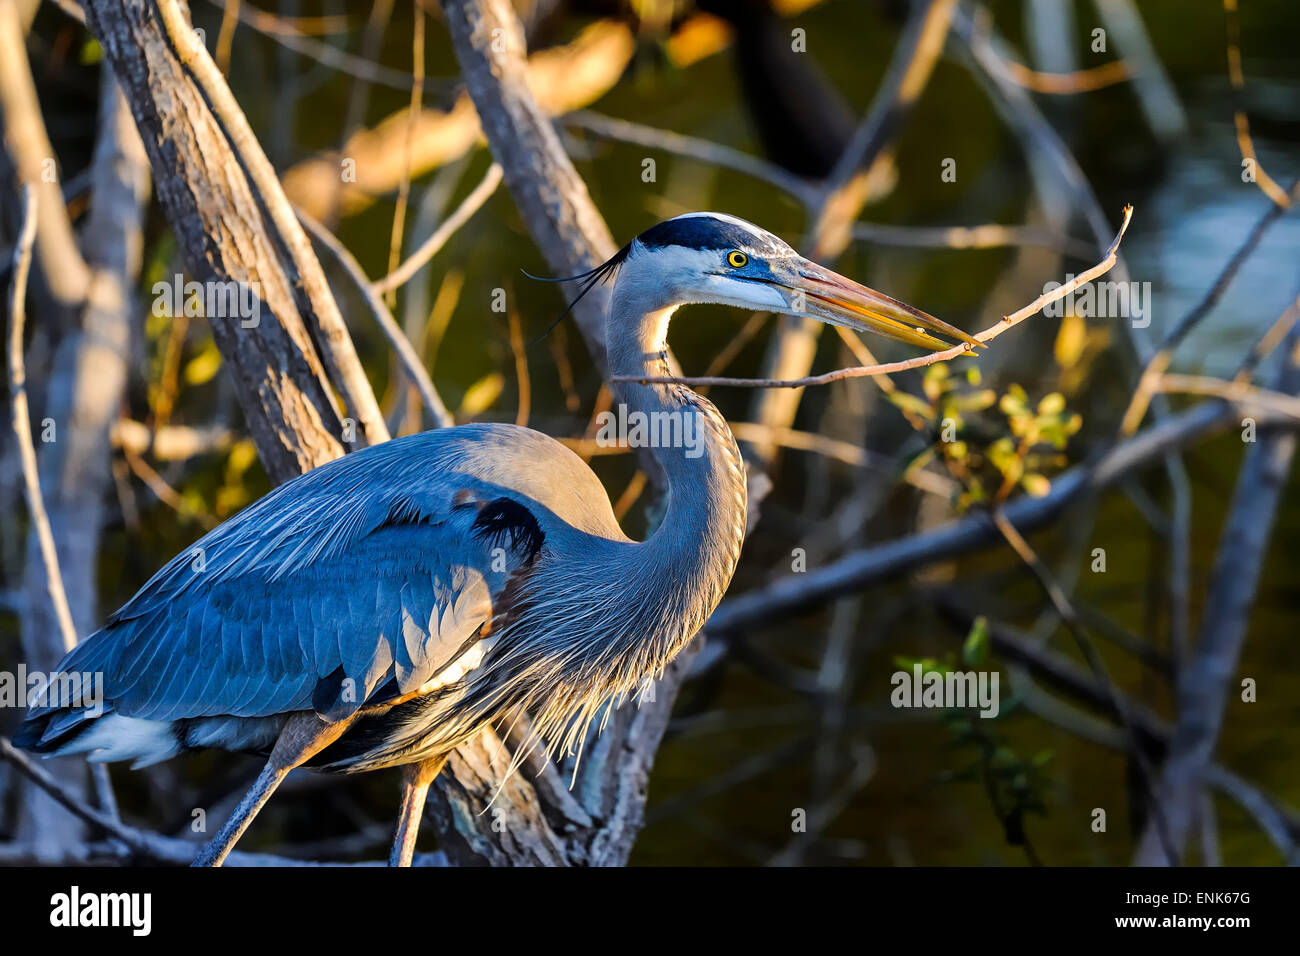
[(711, 257)]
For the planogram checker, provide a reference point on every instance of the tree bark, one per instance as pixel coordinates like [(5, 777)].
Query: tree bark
[(224, 236)]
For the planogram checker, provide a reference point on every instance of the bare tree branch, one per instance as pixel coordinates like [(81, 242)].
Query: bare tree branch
[(892, 559), (318, 306), (1204, 686), (215, 213), (793, 346), (406, 354), (561, 79), (448, 228), (62, 269), (692, 147), (21, 423)]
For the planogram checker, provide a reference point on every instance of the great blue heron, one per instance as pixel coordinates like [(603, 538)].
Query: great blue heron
[(384, 608)]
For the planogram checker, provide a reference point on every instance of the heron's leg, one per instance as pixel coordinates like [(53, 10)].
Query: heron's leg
[(416, 778), (303, 735), (215, 850)]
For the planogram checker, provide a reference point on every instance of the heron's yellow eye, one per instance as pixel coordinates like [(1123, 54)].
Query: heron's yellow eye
[(737, 259)]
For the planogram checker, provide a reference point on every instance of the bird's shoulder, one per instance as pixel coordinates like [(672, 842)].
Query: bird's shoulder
[(379, 566), (407, 499)]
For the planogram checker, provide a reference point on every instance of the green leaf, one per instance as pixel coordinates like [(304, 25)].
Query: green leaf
[(1014, 401), (1070, 340), (936, 377), (1004, 759), (1052, 404), (1002, 453), (480, 396), (1036, 485), (241, 457), (975, 650), (204, 366), (910, 403), (977, 401)]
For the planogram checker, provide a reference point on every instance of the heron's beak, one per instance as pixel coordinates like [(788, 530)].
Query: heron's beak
[(832, 298)]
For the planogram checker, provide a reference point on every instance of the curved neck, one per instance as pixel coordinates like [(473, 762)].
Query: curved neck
[(697, 545)]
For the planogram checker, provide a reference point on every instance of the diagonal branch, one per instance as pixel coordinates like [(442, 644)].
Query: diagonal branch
[(216, 214), (891, 559), (336, 348), (406, 353), (429, 248), (22, 426), (1204, 685)]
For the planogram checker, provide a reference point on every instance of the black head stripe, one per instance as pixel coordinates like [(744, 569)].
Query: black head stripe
[(707, 233)]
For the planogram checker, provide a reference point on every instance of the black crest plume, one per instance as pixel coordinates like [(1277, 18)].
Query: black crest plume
[(603, 272)]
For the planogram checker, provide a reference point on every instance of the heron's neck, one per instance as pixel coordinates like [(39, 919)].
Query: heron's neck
[(697, 545)]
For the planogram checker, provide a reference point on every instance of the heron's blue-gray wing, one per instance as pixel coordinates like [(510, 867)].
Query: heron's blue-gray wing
[(373, 571)]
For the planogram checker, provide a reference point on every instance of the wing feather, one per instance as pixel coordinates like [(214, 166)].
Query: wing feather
[(368, 569)]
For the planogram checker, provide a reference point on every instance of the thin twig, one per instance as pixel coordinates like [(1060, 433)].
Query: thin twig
[(1244, 141), (22, 426), (1026, 654), (986, 236), (430, 247), (844, 451), (336, 347), (1205, 685), (1155, 93), (412, 118), (1242, 393), (289, 34), (165, 492), (387, 324), (841, 195), (692, 147), (140, 843), (1060, 84), (1160, 361), (1277, 823), (1269, 341), (738, 342), (519, 351), (1065, 609)]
